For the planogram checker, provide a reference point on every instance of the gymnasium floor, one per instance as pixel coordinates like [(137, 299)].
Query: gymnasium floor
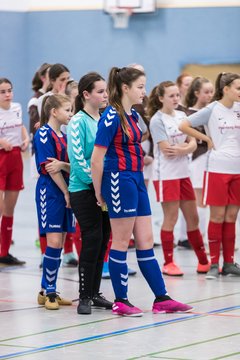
[(28, 331)]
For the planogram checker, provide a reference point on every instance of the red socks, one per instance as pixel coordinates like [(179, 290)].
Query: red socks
[(196, 240), (167, 245), (215, 240), (6, 234), (228, 241)]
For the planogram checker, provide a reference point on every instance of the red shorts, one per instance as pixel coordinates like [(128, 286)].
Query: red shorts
[(174, 190), (11, 170), (221, 189)]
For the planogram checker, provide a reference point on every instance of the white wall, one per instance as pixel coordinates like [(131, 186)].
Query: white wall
[(37, 5)]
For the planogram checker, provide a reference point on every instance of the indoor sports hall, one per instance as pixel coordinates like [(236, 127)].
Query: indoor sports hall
[(167, 38)]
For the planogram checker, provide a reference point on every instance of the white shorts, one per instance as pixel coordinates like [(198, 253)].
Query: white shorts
[(197, 168)]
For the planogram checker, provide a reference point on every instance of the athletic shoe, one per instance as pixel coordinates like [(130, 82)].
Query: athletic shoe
[(131, 272), (84, 306), (169, 306), (184, 245), (70, 260), (37, 243), (11, 260), (61, 301), (213, 273), (203, 269), (101, 302), (172, 269), (125, 308), (230, 269), (106, 273), (51, 302)]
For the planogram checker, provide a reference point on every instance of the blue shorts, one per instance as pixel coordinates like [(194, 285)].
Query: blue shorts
[(53, 216), (125, 194)]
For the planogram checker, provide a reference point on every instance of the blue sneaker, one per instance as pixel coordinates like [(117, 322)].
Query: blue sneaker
[(106, 273)]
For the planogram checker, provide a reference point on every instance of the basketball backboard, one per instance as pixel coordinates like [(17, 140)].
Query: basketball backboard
[(137, 6)]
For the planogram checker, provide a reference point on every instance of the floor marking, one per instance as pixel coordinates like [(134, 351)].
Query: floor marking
[(122, 332), (58, 329), (185, 346), (225, 356)]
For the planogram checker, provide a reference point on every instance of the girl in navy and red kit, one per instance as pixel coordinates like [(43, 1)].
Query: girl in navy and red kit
[(118, 181), (52, 197)]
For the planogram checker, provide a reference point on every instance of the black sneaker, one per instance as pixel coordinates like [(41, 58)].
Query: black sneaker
[(11, 260), (229, 269), (84, 306), (184, 244), (101, 302)]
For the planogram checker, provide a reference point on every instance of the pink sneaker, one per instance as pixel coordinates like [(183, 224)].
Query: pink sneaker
[(172, 269), (124, 308), (203, 269), (170, 306)]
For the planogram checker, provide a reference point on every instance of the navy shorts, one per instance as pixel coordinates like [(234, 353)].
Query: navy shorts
[(125, 194), (53, 216)]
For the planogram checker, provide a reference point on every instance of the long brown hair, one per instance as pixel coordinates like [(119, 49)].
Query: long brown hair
[(118, 77), (52, 102), (154, 103), (223, 79), (196, 85)]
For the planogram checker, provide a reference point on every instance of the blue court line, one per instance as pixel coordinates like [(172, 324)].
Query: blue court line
[(115, 333)]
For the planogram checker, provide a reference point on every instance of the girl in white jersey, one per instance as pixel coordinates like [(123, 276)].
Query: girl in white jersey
[(171, 174), (199, 95), (13, 140), (221, 120)]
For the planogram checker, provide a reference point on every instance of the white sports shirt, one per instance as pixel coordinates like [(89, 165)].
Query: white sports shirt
[(11, 124), (222, 124), (164, 127)]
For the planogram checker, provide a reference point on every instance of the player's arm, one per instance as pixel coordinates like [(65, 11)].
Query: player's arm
[(25, 139), (54, 166), (61, 183), (97, 171), (187, 128)]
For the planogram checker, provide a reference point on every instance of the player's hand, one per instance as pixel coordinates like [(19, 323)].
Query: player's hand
[(6, 145), (100, 200), (54, 166), (37, 125), (210, 144), (67, 199), (25, 144)]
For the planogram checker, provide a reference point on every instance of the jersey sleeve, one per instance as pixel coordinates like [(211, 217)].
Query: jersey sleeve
[(107, 128), (157, 129), (44, 147), (76, 132), (201, 117), (142, 124)]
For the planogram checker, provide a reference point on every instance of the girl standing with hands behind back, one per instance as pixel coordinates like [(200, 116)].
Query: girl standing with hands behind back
[(55, 217), (117, 164), (94, 223), (221, 120)]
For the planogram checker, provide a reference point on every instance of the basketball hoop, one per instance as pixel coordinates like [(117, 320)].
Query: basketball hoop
[(120, 16)]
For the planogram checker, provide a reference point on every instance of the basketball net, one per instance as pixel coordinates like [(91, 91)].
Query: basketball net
[(120, 16)]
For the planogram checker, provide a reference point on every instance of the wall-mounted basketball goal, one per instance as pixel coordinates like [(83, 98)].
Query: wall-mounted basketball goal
[(122, 10)]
